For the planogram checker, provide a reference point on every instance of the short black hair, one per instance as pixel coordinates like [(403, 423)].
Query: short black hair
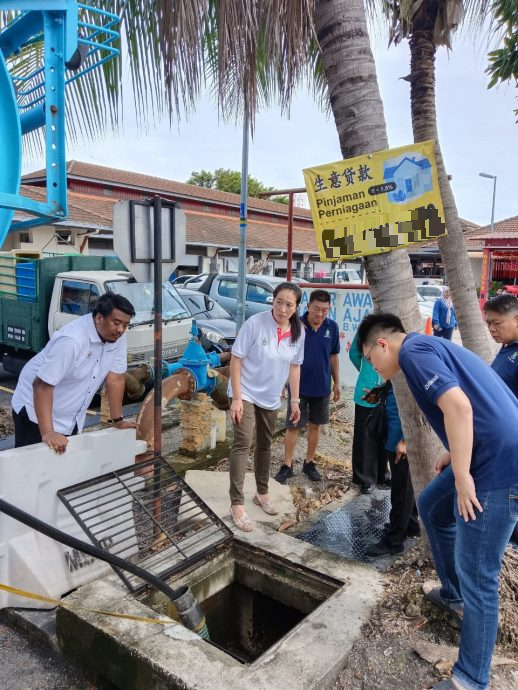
[(502, 304), (320, 296), (373, 325), (110, 301)]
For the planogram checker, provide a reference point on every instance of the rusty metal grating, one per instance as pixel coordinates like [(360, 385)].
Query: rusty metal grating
[(148, 515)]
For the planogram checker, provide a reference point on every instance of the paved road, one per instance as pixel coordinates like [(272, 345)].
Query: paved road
[(27, 666), (6, 381)]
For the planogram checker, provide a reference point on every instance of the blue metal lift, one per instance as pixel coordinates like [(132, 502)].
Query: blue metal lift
[(47, 45)]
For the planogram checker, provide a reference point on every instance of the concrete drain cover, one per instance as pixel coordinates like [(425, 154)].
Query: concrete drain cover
[(351, 529)]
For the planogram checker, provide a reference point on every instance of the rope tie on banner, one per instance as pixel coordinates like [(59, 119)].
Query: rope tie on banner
[(74, 607)]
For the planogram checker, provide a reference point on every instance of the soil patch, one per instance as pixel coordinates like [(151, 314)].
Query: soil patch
[(6, 422), (404, 621)]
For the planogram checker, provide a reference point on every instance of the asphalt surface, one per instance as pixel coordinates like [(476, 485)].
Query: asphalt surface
[(25, 665), (6, 381)]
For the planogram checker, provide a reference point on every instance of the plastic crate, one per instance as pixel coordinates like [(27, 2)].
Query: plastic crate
[(26, 280)]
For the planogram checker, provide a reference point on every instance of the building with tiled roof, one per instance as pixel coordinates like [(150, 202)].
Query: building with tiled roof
[(212, 216), (212, 222)]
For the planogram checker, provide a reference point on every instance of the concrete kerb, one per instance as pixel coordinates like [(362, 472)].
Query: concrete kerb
[(138, 655)]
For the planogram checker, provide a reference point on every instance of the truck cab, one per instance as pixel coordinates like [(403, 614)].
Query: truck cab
[(76, 293)]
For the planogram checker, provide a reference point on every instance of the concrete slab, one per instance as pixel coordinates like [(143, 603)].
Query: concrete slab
[(309, 657), (212, 487)]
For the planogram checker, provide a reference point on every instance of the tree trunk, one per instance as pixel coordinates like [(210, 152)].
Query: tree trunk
[(453, 250), (358, 111)]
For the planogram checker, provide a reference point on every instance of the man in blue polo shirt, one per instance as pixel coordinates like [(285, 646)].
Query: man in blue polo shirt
[(502, 320), (471, 508), (321, 364)]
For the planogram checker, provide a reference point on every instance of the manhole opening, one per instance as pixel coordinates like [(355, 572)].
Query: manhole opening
[(251, 598)]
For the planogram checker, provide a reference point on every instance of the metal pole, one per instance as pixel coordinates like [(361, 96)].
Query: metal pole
[(157, 286), (493, 206), (241, 271), (289, 257)]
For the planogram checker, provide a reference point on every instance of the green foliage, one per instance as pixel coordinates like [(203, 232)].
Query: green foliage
[(230, 181), (503, 62)]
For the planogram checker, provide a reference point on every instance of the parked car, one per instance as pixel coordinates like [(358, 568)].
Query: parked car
[(222, 288), (215, 322), (195, 282), (425, 308), (431, 292), (180, 280)]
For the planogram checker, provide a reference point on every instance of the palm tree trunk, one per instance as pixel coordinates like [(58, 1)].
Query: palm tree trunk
[(358, 111), (454, 254)]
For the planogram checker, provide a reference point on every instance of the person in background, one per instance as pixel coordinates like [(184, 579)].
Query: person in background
[(403, 521), (501, 315), (56, 387), (443, 318), (368, 458), (470, 509), (267, 352), (320, 365)]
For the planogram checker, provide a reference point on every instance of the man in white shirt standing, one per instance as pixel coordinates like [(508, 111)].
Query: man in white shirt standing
[(56, 387)]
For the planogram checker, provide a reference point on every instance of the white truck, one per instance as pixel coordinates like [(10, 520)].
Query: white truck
[(38, 296)]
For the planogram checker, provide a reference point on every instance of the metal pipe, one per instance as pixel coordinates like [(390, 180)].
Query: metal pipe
[(243, 211), (493, 206), (186, 606), (175, 386), (289, 257), (157, 285)]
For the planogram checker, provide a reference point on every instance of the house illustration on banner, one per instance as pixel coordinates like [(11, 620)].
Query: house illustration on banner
[(412, 175)]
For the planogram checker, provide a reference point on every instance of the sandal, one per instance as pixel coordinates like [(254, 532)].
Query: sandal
[(434, 596), (242, 522), (268, 507)]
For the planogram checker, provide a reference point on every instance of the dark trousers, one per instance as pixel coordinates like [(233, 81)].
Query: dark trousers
[(369, 461), (403, 513), (27, 432), (445, 333)]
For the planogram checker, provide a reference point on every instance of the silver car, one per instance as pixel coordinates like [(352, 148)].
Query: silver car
[(222, 288)]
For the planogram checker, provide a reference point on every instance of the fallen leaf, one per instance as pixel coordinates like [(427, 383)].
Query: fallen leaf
[(286, 525)]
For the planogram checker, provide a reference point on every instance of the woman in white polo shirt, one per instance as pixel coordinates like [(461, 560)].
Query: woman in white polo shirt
[(268, 351)]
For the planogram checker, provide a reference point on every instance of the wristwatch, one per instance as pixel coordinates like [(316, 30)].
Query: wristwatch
[(116, 420)]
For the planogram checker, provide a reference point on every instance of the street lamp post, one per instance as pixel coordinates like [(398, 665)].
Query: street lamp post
[(491, 177)]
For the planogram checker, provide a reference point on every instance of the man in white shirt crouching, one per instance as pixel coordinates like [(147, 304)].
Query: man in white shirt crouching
[(56, 387)]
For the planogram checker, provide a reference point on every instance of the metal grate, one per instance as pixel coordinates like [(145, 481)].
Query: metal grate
[(146, 514), (351, 529)]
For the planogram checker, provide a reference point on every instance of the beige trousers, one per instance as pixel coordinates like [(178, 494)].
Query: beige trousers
[(243, 434)]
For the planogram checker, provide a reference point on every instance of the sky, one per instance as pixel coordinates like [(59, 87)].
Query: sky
[(477, 132)]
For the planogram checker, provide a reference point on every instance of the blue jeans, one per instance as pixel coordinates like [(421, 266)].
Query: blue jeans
[(468, 558)]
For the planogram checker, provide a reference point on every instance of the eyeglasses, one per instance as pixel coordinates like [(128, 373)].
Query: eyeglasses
[(368, 355)]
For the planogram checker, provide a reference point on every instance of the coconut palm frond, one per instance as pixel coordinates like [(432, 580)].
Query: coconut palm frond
[(446, 16)]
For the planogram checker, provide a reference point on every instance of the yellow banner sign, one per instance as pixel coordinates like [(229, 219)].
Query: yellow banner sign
[(376, 202)]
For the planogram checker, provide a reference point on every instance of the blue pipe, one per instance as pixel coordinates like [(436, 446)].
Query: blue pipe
[(197, 361)]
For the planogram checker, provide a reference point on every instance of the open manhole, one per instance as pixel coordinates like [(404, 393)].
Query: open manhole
[(147, 514), (250, 597)]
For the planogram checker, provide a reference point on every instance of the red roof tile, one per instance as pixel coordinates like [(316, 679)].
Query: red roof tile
[(126, 178)]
